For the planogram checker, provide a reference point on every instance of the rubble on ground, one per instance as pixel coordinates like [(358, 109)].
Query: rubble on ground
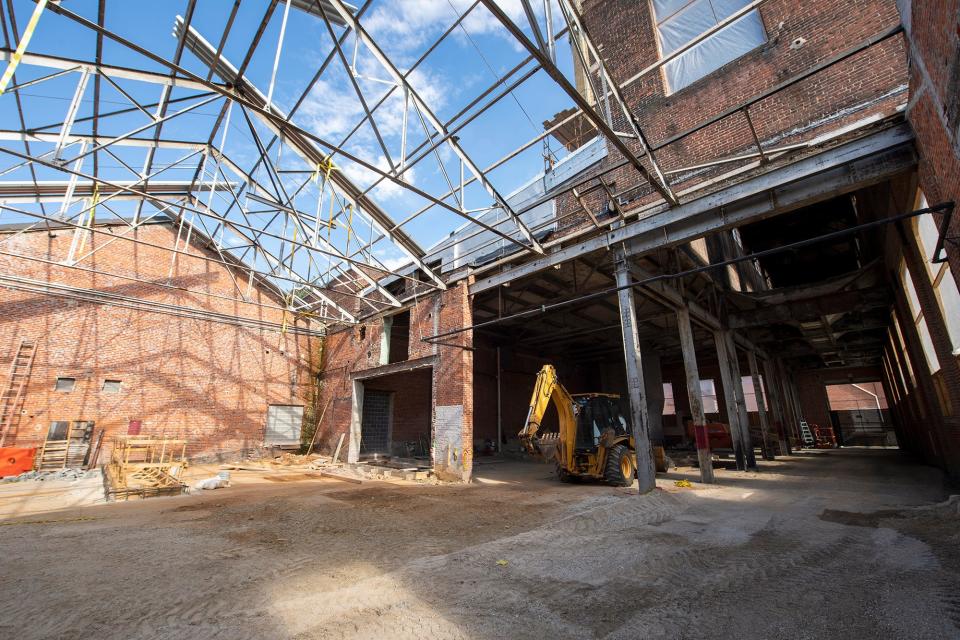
[(71, 475)]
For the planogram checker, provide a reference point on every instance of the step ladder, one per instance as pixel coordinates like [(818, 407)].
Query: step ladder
[(12, 396), (806, 434)]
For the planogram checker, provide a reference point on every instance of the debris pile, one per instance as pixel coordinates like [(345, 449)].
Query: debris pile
[(71, 475)]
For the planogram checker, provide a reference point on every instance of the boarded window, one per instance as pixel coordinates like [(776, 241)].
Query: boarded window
[(680, 21), (750, 395), (283, 424), (918, 319), (709, 393), (66, 384), (58, 430), (111, 386), (400, 337), (944, 284), (669, 405)]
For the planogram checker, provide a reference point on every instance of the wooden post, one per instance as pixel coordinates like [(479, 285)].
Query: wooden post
[(772, 384), (745, 440), (694, 394), (646, 474), (730, 379), (766, 433)]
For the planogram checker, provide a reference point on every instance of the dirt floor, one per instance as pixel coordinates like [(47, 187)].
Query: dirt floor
[(839, 544)]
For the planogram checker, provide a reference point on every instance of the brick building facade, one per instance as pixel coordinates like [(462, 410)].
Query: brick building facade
[(195, 365)]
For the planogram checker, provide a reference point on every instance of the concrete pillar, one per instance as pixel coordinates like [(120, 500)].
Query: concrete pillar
[(639, 419), (772, 384), (766, 433), (356, 421), (694, 395)]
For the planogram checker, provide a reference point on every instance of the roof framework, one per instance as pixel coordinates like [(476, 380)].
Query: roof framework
[(218, 130), (284, 201)]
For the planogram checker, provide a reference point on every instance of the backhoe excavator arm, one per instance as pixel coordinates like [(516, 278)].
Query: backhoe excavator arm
[(548, 388)]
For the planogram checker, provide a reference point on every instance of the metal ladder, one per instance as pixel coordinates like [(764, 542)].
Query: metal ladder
[(806, 434), (12, 394)]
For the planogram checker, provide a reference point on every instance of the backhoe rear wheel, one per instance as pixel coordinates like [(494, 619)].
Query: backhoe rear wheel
[(619, 470)]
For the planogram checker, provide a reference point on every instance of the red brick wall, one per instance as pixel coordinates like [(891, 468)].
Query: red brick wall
[(357, 350), (872, 82), (205, 381), (934, 34)]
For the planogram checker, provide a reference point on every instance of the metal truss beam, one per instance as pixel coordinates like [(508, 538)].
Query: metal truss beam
[(57, 190), (305, 149), (596, 119), (401, 80)]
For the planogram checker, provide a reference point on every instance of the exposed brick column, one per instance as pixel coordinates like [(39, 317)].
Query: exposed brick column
[(453, 386)]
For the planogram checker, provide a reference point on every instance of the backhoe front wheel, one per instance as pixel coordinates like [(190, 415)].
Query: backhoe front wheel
[(620, 468)]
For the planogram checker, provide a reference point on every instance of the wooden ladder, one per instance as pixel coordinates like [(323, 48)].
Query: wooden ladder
[(12, 394)]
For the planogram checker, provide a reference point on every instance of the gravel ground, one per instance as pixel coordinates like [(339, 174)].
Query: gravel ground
[(840, 544)]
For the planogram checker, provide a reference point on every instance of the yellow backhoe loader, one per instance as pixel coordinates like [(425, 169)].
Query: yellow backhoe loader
[(593, 440)]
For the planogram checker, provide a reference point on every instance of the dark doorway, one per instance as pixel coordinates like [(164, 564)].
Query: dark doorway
[(399, 337), (376, 423)]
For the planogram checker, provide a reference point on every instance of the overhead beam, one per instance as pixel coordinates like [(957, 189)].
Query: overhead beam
[(841, 169), (811, 307), (57, 190)]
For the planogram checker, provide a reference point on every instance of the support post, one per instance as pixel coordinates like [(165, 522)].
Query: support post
[(735, 372), (736, 412), (765, 431), (772, 384), (694, 394), (499, 405), (653, 393), (646, 478)]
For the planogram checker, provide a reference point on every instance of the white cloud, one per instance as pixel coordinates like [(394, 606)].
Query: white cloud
[(404, 26)]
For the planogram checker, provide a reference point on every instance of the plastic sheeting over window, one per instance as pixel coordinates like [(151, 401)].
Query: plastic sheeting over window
[(680, 21)]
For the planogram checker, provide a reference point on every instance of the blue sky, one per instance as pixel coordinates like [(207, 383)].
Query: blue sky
[(472, 58)]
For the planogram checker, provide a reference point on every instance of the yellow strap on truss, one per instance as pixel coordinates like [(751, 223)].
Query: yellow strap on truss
[(93, 207), (22, 47), (349, 227), (330, 224)]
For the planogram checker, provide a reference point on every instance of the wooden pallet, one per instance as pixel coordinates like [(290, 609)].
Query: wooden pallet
[(66, 454), (143, 467)]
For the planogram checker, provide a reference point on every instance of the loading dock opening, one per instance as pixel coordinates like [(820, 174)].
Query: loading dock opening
[(395, 418)]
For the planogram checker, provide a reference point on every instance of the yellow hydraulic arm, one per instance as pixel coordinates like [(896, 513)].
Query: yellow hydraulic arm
[(548, 388)]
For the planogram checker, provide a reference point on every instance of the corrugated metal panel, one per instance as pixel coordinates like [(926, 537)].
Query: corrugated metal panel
[(283, 424)]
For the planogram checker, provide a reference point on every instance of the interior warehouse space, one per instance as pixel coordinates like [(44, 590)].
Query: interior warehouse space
[(480, 319)]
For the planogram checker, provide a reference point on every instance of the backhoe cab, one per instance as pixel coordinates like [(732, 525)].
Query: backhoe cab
[(593, 440)]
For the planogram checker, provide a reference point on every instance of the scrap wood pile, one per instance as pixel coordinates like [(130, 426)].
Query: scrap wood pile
[(144, 467)]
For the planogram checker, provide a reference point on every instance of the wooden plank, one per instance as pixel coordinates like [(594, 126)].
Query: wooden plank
[(336, 454)]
